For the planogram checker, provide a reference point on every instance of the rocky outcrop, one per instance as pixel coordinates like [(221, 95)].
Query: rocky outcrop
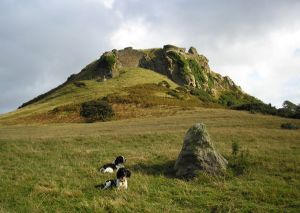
[(189, 69), (185, 68), (193, 51), (198, 154)]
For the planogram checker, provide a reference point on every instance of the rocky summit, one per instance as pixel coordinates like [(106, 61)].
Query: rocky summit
[(186, 68)]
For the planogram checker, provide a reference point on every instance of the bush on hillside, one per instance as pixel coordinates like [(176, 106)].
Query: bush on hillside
[(107, 61), (289, 110), (182, 89), (257, 107), (240, 164), (289, 126), (202, 95), (79, 84), (235, 148), (174, 93), (98, 110)]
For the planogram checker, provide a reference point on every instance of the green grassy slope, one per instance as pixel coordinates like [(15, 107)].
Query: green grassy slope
[(71, 94), (53, 167)]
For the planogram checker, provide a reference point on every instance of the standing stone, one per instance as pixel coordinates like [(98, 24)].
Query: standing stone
[(198, 154)]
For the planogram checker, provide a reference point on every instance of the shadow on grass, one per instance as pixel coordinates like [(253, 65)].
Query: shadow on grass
[(165, 168)]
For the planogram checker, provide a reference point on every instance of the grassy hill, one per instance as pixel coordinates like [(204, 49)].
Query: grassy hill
[(53, 167), (63, 104), (135, 83)]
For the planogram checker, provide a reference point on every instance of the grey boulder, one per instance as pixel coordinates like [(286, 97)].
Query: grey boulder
[(198, 154)]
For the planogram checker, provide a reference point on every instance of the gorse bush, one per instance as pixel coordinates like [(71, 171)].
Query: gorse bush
[(240, 164), (235, 148), (98, 110), (289, 126)]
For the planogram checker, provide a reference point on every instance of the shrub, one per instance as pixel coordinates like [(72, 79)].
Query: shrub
[(240, 164), (182, 89), (79, 84), (96, 110), (289, 110), (174, 93), (289, 126), (257, 107), (107, 61), (231, 98), (235, 148), (202, 95)]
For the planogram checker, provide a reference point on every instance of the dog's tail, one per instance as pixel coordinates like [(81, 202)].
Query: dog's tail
[(100, 186), (101, 170)]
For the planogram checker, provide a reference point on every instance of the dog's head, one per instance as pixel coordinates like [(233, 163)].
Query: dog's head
[(120, 160), (123, 173)]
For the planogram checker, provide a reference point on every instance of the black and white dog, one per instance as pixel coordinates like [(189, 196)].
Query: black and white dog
[(114, 166), (119, 183)]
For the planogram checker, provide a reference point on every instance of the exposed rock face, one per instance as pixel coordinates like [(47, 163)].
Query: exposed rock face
[(193, 51), (198, 154), (185, 68)]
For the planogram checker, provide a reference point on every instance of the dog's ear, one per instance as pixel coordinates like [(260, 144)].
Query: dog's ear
[(120, 159), (128, 173), (121, 173)]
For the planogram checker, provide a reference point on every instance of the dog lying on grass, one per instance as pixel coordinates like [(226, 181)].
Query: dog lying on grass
[(114, 166), (120, 182)]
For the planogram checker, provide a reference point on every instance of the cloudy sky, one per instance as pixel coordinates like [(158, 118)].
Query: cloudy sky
[(256, 43)]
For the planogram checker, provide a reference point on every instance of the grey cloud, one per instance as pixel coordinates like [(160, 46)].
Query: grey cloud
[(43, 42), (213, 17)]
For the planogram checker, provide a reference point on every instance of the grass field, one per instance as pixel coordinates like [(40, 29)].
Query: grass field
[(53, 167)]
